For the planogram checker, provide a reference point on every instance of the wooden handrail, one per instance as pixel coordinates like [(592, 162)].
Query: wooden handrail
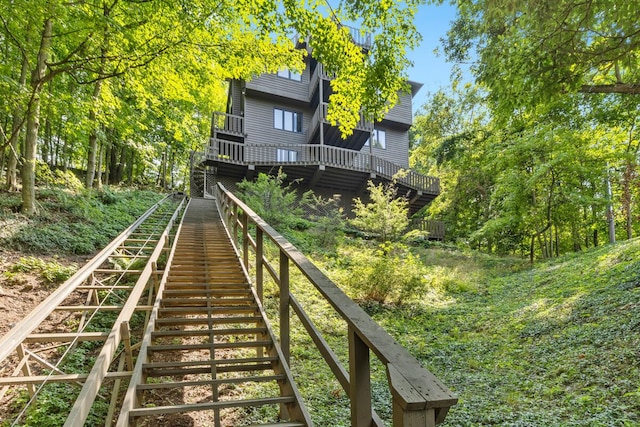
[(419, 398)]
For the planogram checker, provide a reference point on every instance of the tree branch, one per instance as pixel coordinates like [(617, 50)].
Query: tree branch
[(625, 88)]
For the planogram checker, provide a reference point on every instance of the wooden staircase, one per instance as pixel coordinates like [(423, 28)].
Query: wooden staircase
[(209, 339)]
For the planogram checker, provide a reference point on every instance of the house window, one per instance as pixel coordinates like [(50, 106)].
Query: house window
[(291, 75), (379, 139), (283, 155), (287, 120)]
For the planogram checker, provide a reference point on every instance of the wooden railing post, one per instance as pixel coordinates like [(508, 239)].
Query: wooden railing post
[(259, 264), (235, 225), (284, 306), (245, 240), (409, 409), (359, 381)]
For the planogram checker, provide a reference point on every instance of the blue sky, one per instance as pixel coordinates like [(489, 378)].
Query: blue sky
[(431, 70)]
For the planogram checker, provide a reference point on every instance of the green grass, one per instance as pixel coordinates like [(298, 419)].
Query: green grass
[(557, 344)]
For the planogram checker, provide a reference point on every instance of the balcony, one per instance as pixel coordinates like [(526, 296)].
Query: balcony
[(228, 126)]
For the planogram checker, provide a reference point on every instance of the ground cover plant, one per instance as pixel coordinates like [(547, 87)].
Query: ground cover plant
[(71, 222), (555, 345)]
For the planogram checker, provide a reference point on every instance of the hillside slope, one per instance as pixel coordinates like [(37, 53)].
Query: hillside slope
[(555, 345)]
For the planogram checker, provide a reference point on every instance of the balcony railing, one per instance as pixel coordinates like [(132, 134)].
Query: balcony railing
[(229, 124), (315, 155), (362, 125), (359, 37)]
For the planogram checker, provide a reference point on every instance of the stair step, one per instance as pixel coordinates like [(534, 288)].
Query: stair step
[(281, 424), (256, 367), (175, 409), (177, 321), (204, 302), (217, 381), (207, 346), (203, 368), (202, 292), (207, 332)]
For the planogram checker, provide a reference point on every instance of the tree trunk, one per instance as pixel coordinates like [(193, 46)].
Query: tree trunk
[(107, 159), (131, 164), (93, 113), (14, 139), (99, 167), (610, 214), (627, 199), (33, 123), (93, 136)]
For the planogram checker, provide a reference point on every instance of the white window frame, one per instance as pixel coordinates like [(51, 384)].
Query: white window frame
[(379, 139), (290, 121)]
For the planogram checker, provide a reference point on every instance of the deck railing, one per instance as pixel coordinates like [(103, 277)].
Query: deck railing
[(315, 155), (436, 229), (227, 123), (362, 125), (418, 397)]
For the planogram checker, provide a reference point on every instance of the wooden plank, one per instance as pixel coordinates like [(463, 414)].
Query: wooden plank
[(212, 346), (99, 307), (207, 332), (175, 321), (176, 409), (66, 337), (207, 370), (323, 347), (360, 381), (59, 378), (217, 381)]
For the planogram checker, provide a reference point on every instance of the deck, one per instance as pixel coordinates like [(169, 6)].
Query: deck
[(320, 165)]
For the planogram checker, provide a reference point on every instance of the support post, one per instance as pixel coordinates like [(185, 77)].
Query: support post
[(284, 306), (359, 381), (126, 339), (235, 225), (245, 240), (26, 370), (259, 263)]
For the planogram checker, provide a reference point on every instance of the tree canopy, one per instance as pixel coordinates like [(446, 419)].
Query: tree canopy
[(120, 88), (528, 52)]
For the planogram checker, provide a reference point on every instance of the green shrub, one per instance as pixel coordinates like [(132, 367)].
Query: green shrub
[(385, 216), (274, 201), (57, 178), (390, 273), (329, 222)]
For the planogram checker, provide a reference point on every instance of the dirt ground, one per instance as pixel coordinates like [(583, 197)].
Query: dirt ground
[(20, 293)]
